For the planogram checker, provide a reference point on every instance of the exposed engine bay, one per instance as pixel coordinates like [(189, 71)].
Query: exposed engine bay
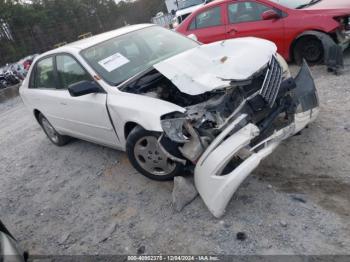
[(229, 124), (154, 84), (262, 97)]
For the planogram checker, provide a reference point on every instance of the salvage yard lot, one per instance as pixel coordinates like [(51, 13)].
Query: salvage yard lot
[(85, 198)]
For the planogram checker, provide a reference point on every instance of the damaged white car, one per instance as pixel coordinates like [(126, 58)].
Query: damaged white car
[(173, 104)]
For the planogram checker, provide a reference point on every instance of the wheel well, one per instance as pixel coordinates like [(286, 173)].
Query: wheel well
[(311, 34), (129, 126), (36, 115)]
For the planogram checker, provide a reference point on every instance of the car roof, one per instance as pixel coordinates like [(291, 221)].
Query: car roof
[(215, 2), (93, 40)]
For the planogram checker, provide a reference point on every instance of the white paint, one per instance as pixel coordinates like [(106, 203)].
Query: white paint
[(10, 249), (216, 190), (86, 117), (209, 67), (194, 72)]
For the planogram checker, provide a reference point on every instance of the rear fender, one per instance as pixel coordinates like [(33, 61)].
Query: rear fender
[(333, 54)]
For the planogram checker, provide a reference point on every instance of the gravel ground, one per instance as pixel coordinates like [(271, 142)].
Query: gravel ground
[(87, 199)]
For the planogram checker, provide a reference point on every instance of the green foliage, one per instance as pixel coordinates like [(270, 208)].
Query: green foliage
[(37, 26)]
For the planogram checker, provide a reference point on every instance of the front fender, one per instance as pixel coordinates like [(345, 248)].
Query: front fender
[(140, 109)]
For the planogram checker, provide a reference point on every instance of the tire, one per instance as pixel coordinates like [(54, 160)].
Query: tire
[(309, 48), (51, 133), (147, 158)]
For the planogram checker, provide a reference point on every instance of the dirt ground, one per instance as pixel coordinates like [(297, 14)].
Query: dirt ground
[(87, 199)]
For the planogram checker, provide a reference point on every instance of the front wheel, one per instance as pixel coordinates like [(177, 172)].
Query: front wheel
[(145, 155)]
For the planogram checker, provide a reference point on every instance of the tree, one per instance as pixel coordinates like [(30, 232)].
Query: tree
[(37, 26)]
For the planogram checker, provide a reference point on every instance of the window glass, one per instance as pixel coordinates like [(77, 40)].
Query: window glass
[(70, 71), (44, 74), (124, 56), (130, 49), (193, 24), (31, 79), (208, 18), (246, 12)]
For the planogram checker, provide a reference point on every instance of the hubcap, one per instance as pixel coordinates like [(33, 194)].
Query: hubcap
[(151, 158), (312, 52), (50, 131)]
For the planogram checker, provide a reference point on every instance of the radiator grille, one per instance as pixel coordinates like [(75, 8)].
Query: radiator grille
[(272, 82)]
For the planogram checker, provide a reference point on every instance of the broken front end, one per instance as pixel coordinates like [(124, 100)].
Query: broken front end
[(226, 135)]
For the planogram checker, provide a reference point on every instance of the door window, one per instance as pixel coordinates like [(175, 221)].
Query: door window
[(45, 74), (70, 71), (246, 12), (208, 18)]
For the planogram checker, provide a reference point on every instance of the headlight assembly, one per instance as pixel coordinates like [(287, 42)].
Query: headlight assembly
[(286, 73), (173, 128)]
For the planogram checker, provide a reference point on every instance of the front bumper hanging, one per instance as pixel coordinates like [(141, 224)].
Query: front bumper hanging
[(215, 189)]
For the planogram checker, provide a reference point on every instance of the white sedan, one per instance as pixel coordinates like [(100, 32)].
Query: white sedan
[(173, 104)]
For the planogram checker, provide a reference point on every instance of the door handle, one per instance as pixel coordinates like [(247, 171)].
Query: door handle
[(232, 30), (63, 103)]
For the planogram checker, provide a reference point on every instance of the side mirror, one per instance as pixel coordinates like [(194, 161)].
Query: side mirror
[(270, 15), (193, 37), (83, 88)]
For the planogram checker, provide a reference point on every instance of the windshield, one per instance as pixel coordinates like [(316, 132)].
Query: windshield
[(182, 4), (295, 4), (122, 57)]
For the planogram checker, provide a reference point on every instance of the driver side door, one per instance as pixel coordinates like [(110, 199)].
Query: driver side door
[(84, 116)]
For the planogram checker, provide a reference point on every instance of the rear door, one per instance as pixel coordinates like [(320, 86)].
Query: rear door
[(209, 25), (244, 18), (84, 117), (41, 92)]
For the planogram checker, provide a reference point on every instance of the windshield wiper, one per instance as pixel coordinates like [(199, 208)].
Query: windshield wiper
[(312, 2)]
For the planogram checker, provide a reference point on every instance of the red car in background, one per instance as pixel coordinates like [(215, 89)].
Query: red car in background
[(299, 28)]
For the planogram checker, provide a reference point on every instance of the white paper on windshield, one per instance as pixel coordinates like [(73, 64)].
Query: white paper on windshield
[(113, 62)]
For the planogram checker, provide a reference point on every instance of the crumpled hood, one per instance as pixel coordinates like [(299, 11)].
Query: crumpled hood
[(212, 66)]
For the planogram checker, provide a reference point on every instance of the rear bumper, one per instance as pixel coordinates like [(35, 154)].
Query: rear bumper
[(215, 189)]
